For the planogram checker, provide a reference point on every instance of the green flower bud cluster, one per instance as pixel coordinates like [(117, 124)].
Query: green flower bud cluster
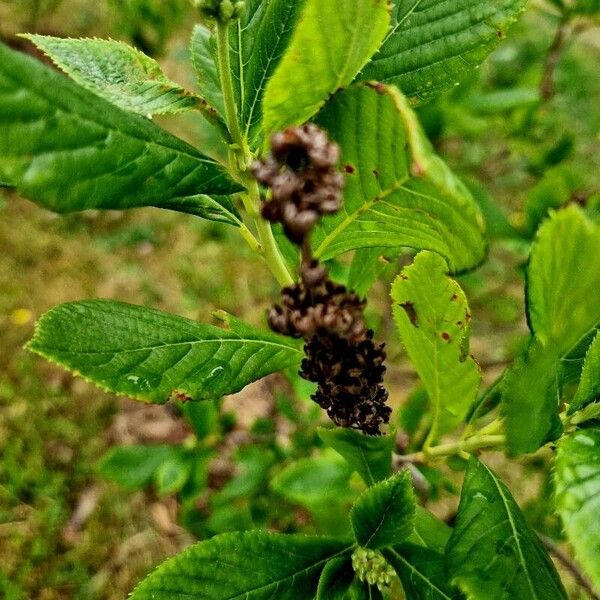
[(370, 566), (223, 11)]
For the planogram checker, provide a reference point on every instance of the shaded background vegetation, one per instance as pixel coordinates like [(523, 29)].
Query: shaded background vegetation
[(65, 532)]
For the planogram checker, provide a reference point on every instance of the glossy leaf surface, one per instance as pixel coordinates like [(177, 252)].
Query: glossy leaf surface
[(258, 42), (152, 356), (433, 45), (422, 572), (492, 552), (254, 565), (370, 456), (384, 514), (69, 150), (331, 43), (398, 191)]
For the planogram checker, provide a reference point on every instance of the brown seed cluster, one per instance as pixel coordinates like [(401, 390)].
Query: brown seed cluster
[(341, 356), (303, 179), (317, 305), (350, 376)]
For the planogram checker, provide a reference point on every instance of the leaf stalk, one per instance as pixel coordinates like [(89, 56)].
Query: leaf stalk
[(240, 160)]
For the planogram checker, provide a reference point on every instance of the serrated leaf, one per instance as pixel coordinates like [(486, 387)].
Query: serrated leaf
[(254, 565), (563, 278), (398, 192), (258, 42), (133, 467), (589, 384), (118, 73), (203, 53), (434, 45), (370, 456), (384, 514), (421, 571), (69, 150), (563, 304), (152, 355), (492, 552), (577, 482), (330, 44), (432, 316)]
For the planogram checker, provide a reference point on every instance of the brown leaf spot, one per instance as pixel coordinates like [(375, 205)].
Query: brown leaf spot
[(446, 336), (454, 297), (409, 308), (176, 395), (378, 87), (349, 169)]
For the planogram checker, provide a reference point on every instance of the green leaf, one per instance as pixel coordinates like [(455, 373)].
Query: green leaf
[(252, 465), (432, 316), (434, 45), (203, 53), (320, 484), (563, 305), (492, 552), (563, 278), (368, 265), (152, 355), (203, 417), (314, 481), (370, 456), (253, 565), (422, 572), (69, 150), (173, 473), (398, 192), (258, 42), (429, 531), (133, 467), (336, 580), (589, 384), (118, 73), (552, 191), (577, 481), (384, 514), (331, 43)]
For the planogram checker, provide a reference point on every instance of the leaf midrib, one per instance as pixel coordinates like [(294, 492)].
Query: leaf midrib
[(220, 341), (420, 575), (515, 533), (246, 594), (350, 218)]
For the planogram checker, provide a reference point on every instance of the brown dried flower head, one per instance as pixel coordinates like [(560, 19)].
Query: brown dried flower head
[(303, 179)]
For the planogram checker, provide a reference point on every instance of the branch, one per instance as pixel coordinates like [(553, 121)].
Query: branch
[(469, 446)]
